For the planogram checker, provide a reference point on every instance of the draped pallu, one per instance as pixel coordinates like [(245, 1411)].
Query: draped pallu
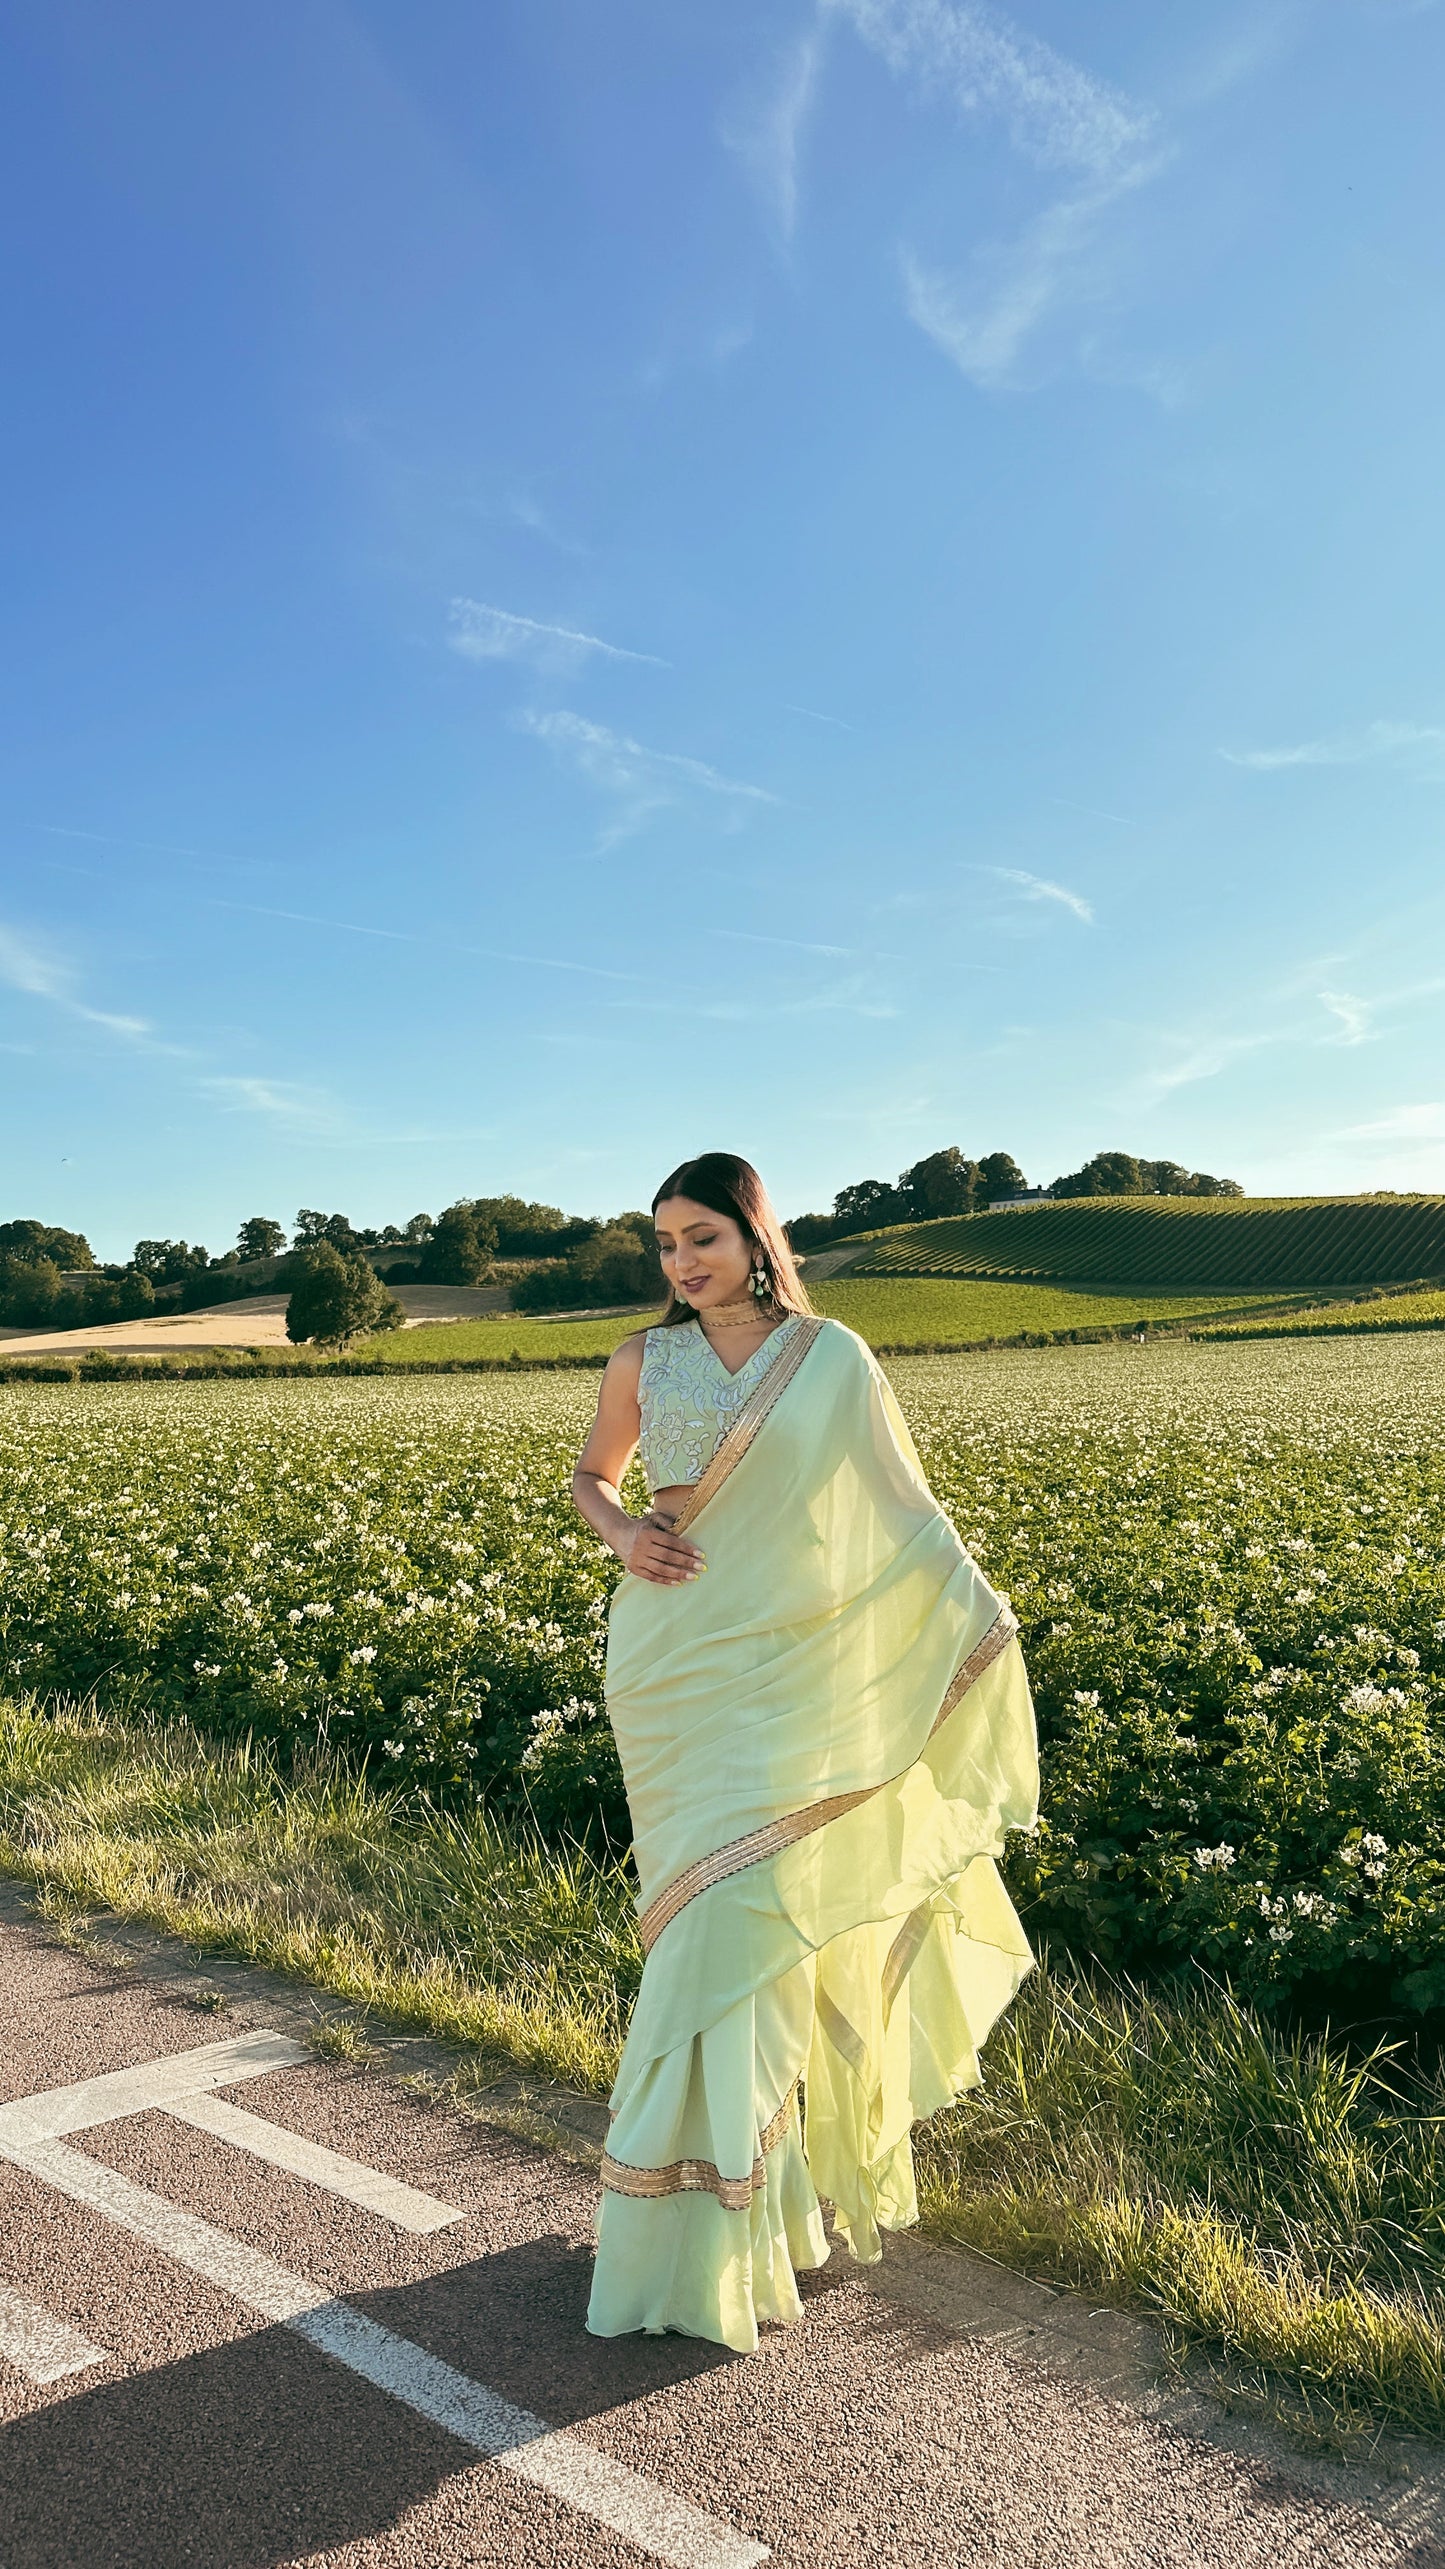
[(824, 1740)]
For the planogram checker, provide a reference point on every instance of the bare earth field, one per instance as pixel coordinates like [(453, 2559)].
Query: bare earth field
[(260, 1321)]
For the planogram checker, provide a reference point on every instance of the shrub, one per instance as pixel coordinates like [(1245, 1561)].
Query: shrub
[(335, 1299)]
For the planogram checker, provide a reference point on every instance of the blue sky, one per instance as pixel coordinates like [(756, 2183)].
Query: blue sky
[(592, 579)]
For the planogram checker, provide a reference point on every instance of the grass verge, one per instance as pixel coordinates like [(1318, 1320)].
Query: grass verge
[(1272, 2196)]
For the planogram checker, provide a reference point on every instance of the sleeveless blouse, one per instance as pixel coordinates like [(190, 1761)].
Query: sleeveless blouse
[(687, 1398)]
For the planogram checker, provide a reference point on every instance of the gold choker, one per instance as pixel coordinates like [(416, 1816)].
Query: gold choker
[(732, 1315)]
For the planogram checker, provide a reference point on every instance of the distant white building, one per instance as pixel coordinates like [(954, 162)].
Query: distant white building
[(1016, 1203)]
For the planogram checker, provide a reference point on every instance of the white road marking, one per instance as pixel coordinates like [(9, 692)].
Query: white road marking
[(668, 2528), (38, 2344), (135, 2091), (281, 2149)]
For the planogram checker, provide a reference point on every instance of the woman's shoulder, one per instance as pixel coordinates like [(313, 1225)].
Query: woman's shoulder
[(625, 1362)]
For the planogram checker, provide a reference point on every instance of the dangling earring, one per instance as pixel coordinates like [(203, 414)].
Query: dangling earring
[(760, 1286)]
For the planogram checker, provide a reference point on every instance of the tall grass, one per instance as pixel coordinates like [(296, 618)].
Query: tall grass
[(1273, 2194)]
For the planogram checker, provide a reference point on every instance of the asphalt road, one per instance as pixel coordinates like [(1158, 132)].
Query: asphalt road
[(378, 2356)]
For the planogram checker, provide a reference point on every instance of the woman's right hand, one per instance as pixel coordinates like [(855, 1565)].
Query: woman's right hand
[(652, 1551)]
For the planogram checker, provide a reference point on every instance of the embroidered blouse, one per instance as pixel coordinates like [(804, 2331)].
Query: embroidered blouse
[(688, 1398)]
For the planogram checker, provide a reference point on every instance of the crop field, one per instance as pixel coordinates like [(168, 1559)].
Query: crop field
[(893, 1312), (1228, 1562), (1218, 1244), (1347, 1319)]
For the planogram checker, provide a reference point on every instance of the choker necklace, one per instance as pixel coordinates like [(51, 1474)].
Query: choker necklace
[(732, 1315)]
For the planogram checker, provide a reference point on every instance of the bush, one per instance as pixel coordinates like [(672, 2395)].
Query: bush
[(31, 1291), (616, 1266), (335, 1299), (460, 1249)]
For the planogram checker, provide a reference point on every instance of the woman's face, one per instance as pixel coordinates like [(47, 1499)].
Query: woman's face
[(706, 1257)]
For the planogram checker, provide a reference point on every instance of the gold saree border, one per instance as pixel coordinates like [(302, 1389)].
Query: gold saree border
[(700, 2176), (770, 1840), (736, 1439)]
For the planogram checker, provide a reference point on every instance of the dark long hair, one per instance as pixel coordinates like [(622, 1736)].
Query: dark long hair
[(728, 1185)]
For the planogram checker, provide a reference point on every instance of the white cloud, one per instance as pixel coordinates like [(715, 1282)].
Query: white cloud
[(1035, 887), (42, 975), (1417, 746), (767, 135), (306, 1110), (1402, 1124), (642, 781), (1353, 1014), (1203, 1057), (1058, 114), (490, 633)]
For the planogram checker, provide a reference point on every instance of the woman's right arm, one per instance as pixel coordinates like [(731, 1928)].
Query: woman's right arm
[(645, 1545)]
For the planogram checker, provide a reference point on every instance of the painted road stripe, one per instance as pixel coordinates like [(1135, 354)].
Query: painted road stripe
[(668, 2528), (38, 2344), (281, 2149), (135, 2091)]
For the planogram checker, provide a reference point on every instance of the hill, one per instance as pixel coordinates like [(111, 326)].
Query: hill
[(1215, 1245)]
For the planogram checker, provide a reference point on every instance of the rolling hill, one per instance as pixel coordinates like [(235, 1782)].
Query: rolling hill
[(1173, 1244)]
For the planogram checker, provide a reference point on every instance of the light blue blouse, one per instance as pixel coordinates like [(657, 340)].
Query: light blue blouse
[(687, 1398)]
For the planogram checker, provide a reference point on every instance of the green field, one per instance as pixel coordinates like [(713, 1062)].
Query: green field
[(1344, 1319), (1220, 1244), (1228, 1564), (897, 1312)]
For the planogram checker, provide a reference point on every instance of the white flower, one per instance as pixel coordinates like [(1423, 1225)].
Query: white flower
[(363, 1656), (1214, 1858)]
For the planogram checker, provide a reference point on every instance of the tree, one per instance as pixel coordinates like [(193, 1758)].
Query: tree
[(459, 1250), (419, 1228), (127, 1296), (169, 1261), (43, 1240), (808, 1231), (309, 1226), (335, 1298), (30, 1291), (260, 1238), (1001, 1176), (943, 1183), (1164, 1177), (617, 1265), (868, 1205), (1107, 1173)]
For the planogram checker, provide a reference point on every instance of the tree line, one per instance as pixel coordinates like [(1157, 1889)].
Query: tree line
[(50, 1279), (949, 1182)]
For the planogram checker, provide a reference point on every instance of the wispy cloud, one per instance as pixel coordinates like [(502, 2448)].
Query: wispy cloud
[(1059, 116), (42, 974), (767, 133), (1091, 811), (1402, 1124), (852, 997), (1192, 1058), (1353, 1014), (302, 1110), (447, 945), (490, 633), (835, 721), (1036, 887), (642, 781), (1419, 747), (798, 945)]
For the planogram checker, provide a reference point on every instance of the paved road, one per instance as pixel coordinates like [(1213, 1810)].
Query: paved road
[(258, 2308)]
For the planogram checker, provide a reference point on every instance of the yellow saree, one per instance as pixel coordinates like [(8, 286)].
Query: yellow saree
[(824, 1740)]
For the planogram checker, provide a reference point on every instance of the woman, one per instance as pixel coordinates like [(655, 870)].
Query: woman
[(825, 1731)]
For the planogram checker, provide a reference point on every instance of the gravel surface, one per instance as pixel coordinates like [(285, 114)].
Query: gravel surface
[(878, 2433)]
